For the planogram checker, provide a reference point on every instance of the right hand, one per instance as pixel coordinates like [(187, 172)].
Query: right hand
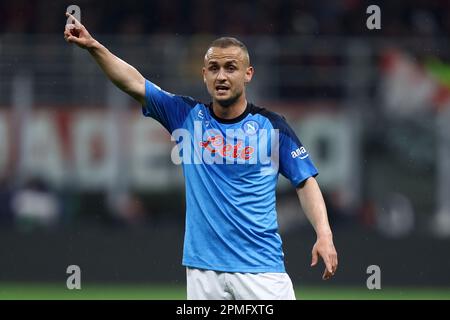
[(76, 33)]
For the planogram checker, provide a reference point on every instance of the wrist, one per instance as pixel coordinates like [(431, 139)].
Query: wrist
[(324, 233), (93, 45)]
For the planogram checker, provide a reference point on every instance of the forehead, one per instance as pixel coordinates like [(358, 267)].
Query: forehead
[(216, 54)]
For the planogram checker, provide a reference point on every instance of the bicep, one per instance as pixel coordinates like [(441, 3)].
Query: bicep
[(308, 187), (137, 90), (309, 193), (135, 86)]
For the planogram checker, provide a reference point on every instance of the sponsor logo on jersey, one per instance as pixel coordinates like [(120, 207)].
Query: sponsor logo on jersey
[(234, 146), (216, 145), (299, 153)]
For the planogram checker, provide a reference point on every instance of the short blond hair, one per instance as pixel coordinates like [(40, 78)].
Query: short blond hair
[(226, 42)]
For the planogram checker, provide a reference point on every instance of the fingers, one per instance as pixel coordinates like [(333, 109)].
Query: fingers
[(70, 29), (335, 263), (71, 39), (66, 33), (331, 263), (327, 274), (330, 267), (328, 264), (325, 250), (74, 20), (315, 257), (67, 30)]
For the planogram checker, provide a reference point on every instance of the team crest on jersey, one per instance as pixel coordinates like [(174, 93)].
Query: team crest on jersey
[(250, 127)]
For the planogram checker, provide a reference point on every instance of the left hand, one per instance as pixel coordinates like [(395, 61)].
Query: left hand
[(324, 248)]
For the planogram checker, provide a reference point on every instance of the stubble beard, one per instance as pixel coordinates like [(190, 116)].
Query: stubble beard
[(230, 101)]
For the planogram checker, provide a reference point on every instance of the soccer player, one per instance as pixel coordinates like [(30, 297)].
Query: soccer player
[(232, 248)]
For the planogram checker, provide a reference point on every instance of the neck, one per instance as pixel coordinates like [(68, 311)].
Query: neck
[(232, 111)]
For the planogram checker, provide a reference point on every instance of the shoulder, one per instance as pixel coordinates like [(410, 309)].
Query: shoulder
[(278, 121), (191, 102), (153, 89)]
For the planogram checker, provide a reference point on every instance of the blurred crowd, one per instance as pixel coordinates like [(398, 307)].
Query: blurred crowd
[(254, 17), (33, 203)]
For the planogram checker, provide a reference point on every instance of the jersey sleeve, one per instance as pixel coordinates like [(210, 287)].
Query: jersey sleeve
[(168, 109), (295, 163)]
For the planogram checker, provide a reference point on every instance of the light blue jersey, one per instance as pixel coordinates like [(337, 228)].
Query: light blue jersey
[(231, 169)]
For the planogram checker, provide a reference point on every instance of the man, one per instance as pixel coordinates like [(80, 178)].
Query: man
[(232, 249)]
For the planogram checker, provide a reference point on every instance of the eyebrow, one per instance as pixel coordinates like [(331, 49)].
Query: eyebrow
[(227, 62)]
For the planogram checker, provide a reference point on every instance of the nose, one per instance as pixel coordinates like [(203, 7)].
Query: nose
[(221, 74)]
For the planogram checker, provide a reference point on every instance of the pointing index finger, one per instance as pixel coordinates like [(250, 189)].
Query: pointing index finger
[(74, 20)]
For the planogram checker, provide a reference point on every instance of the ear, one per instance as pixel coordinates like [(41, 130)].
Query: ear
[(249, 74), (203, 72)]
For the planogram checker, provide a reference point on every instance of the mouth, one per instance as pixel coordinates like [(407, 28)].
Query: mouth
[(222, 89)]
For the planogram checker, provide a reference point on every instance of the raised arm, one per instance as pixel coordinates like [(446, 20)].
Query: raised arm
[(123, 75), (313, 204)]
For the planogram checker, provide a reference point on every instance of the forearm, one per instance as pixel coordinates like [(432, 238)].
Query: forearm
[(122, 74), (313, 205)]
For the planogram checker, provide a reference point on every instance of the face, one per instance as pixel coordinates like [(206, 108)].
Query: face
[(226, 72)]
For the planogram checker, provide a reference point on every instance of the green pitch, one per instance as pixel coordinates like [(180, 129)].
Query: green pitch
[(14, 291)]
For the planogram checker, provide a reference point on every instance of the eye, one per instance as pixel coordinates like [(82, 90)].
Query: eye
[(231, 68), (213, 68)]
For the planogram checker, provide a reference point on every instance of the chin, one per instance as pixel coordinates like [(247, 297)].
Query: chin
[(227, 101)]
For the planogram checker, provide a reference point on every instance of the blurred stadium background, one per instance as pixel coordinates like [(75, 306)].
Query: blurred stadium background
[(86, 180)]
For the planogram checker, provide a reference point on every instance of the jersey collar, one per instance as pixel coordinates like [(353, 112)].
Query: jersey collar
[(234, 120)]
